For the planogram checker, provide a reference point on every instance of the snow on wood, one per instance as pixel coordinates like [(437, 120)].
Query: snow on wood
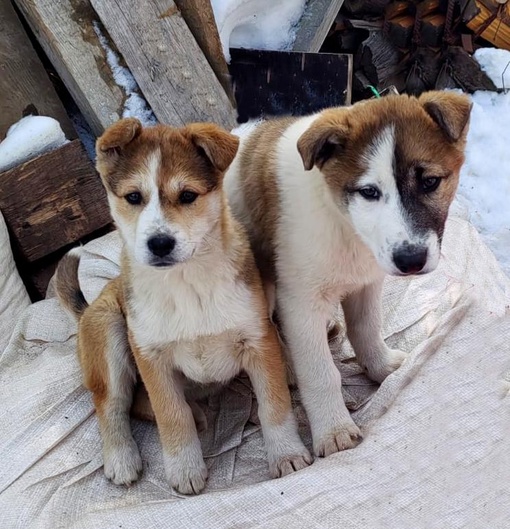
[(135, 105), (257, 24), (25, 87), (28, 138)]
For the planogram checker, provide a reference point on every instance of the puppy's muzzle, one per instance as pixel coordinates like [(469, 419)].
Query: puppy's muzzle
[(410, 258)]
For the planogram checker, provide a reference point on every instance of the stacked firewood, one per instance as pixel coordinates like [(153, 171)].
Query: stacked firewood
[(417, 45)]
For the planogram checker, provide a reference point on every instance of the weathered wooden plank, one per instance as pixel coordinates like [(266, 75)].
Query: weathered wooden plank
[(492, 22), (276, 83), (64, 30), (52, 201), (166, 61), (315, 23), (25, 87), (199, 17)]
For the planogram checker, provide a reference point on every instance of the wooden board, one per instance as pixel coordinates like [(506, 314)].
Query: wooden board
[(167, 62), (273, 83), (199, 17), (315, 24), (492, 27), (52, 201), (25, 87), (64, 30)]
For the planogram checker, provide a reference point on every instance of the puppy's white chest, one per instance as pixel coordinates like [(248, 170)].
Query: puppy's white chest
[(209, 359), (185, 313)]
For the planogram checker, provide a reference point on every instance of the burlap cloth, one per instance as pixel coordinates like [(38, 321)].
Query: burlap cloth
[(436, 449)]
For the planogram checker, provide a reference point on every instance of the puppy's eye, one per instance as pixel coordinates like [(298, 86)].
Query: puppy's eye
[(134, 198), (187, 197), (370, 193), (430, 184)]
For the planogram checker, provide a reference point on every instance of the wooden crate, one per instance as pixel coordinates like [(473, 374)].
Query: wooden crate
[(49, 203)]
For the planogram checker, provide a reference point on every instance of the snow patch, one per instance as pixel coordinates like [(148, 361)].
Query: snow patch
[(28, 138), (135, 105), (484, 187), (494, 62), (257, 24)]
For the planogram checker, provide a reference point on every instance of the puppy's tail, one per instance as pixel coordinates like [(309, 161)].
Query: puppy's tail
[(67, 285)]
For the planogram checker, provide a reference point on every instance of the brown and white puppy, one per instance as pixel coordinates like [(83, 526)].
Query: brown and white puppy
[(188, 304), (332, 202)]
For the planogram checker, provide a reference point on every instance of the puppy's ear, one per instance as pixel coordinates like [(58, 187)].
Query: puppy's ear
[(450, 111), (218, 145), (115, 138), (318, 144)]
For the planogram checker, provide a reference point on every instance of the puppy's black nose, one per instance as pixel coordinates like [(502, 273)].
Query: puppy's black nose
[(161, 245), (410, 259)]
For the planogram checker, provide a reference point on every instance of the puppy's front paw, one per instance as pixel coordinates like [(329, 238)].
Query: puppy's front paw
[(385, 363), (344, 436), (189, 480), (122, 464), (286, 464), (186, 472)]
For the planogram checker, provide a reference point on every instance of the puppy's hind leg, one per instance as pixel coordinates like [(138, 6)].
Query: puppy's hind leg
[(110, 375), (363, 320)]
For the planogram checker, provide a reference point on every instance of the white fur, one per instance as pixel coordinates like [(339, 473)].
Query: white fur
[(196, 299)]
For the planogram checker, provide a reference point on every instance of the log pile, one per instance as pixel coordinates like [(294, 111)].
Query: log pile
[(418, 45)]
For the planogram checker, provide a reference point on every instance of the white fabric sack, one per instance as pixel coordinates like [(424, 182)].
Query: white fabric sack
[(436, 449), (13, 295)]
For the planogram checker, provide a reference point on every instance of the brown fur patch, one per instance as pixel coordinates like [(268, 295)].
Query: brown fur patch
[(67, 285), (95, 328), (419, 139), (266, 367), (174, 418), (198, 153), (258, 162)]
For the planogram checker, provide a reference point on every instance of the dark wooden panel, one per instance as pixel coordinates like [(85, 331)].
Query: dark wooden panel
[(274, 83), (52, 201), (25, 87)]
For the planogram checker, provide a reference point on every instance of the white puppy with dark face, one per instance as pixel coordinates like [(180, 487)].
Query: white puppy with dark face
[(332, 203)]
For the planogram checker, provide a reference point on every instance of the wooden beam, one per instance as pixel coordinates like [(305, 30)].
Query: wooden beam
[(166, 61), (64, 30), (25, 87), (492, 22), (199, 17), (317, 19), (52, 201)]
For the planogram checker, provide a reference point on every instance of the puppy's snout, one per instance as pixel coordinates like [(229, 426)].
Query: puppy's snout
[(410, 259), (161, 245)]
